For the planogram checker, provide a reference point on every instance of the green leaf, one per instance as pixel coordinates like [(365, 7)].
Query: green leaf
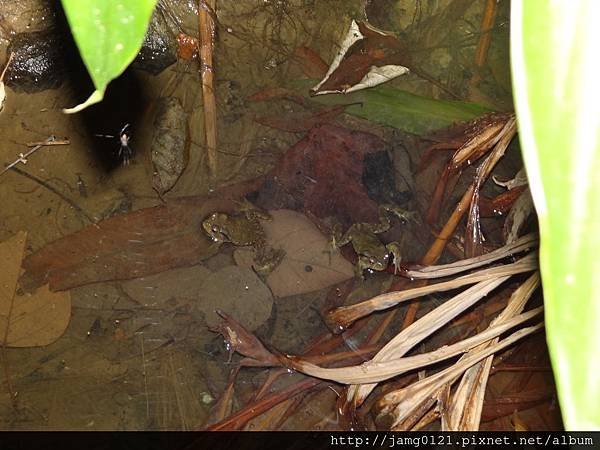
[(400, 109), (109, 35), (557, 93)]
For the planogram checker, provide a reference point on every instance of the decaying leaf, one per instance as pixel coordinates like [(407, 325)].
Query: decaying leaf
[(238, 292), (144, 242), (308, 264), (28, 320), (323, 173), (367, 57), (169, 151), (38, 319)]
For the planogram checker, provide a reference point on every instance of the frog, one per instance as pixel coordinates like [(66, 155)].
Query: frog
[(372, 253), (243, 229)]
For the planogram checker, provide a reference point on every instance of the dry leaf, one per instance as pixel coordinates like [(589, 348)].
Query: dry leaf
[(11, 254), (141, 243), (367, 57), (38, 319), (308, 264), (169, 152), (28, 320)]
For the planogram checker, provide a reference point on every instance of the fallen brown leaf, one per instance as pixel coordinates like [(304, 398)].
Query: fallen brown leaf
[(28, 320), (307, 265)]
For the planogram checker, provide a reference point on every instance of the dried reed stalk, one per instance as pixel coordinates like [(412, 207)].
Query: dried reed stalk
[(487, 22), (405, 406), (206, 11), (344, 316), (505, 136), (522, 244), (464, 413), (374, 371)]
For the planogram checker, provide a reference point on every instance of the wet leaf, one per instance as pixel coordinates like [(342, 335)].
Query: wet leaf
[(308, 264), (401, 109), (109, 34), (28, 320), (144, 242), (323, 173), (169, 151), (238, 292), (367, 57)]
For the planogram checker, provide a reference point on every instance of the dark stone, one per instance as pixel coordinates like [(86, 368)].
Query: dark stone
[(159, 49), (44, 59), (39, 61)]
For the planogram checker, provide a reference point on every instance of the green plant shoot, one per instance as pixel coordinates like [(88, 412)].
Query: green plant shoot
[(109, 35), (556, 73)]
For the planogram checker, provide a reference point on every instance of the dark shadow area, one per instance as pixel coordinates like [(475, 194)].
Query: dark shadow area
[(123, 102)]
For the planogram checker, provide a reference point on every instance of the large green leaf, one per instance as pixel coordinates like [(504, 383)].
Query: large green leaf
[(400, 109), (109, 34), (556, 77)]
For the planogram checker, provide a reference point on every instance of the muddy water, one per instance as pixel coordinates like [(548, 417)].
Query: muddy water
[(139, 354)]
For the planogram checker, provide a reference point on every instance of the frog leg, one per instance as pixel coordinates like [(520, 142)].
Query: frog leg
[(213, 248), (402, 214), (394, 249), (337, 238), (267, 259), (384, 221), (251, 211), (361, 265)]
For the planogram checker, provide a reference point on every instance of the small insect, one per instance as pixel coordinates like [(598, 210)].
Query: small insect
[(125, 151)]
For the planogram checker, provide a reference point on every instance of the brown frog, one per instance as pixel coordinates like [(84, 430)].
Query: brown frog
[(372, 253), (243, 229)]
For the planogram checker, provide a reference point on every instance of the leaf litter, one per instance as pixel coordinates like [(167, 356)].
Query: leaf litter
[(28, 320), (308, 265)]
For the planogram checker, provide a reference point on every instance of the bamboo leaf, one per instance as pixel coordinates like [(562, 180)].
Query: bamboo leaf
[(400, 109)]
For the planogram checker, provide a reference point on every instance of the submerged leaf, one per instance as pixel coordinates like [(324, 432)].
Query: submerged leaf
[(308, 264), (28, 320), (401, 109)]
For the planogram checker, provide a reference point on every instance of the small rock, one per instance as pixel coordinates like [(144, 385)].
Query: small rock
[(159, 49), (39, 61)]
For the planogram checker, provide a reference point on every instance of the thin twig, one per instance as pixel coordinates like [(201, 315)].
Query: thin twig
[(23, 156), (9, 386), (46, 185), (48, 143), (487, 24)]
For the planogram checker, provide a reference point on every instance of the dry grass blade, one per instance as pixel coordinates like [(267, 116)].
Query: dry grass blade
[(465, 409), (376, 371), (522, 244), (505, 137), (479, 144), (341, 318), (405, 406), (424, 327)]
